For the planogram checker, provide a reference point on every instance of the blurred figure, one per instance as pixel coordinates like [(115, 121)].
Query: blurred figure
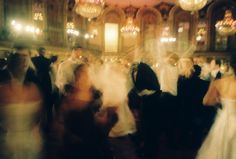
[(65, 74), (168, 78), (111, 79), (82, 130), (55, 90), (169, 75), (221, 140), (186, 104), (194, 118), (42, 65), (204, 63), (4, 73), (145, 99), (185, 67), (20, 105), (215, 69), (53, 71), (226, 70)]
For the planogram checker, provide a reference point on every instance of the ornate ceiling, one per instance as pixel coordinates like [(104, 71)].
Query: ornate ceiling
[(136, 3)]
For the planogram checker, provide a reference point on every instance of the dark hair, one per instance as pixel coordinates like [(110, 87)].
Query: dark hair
[(13, 61), (54, 58), (21, 46), (197, 70), (233, 63), (77, 46), (41, 49), (3, 63), (68, 88), (146, 78), (218, 61)]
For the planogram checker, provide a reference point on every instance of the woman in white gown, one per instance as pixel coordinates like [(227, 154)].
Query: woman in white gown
[(19, 110), (221, 140)]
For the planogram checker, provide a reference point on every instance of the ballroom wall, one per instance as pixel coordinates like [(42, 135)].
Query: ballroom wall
[(183, 25)]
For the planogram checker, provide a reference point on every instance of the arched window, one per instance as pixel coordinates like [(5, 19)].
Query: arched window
[(150, 20), (112, 19), (183, 23)]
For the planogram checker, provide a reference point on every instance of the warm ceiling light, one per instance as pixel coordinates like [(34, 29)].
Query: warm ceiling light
[(130, 28), (22, 28), (38, 16), (227, 26), (70, 25), (89, 8), (192, 5), (166, 36)]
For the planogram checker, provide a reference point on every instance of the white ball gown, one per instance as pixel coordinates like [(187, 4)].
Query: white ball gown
[(221, 140), (21, 139)]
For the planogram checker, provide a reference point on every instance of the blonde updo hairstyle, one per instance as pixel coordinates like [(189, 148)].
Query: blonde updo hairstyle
[(185, 66)]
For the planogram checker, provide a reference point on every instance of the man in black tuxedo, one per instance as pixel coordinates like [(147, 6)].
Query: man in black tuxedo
[(4, 73), (194, 119), (42, 65)]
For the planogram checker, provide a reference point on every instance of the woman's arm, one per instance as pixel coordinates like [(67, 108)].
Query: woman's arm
[(212, 96)]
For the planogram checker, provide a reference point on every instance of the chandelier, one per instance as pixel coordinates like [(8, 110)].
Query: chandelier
[(89, 8), (192, 5), (38, 12), (227, 26), (166, 36), (130, 28)]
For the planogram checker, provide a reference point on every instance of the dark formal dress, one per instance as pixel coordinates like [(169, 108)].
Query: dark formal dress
[(145, 97), (42, 65)]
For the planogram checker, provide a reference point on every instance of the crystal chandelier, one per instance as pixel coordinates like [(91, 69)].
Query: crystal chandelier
[(38, 11), (192, 5), (227, 26), (89, 8), (130, 28), (166, 36)]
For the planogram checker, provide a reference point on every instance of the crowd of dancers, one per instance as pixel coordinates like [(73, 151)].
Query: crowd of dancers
[(89, 108)]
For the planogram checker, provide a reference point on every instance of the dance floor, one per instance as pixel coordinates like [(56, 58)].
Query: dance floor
[(163, 152), (176, 154)]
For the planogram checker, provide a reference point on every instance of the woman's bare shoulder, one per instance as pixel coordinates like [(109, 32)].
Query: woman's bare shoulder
[(225, 82), (227, 79)]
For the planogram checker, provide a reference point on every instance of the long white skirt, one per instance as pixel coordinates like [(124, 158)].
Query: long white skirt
[(221, 140)]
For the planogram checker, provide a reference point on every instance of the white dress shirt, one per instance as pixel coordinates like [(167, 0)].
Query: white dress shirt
[(65, 73)]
